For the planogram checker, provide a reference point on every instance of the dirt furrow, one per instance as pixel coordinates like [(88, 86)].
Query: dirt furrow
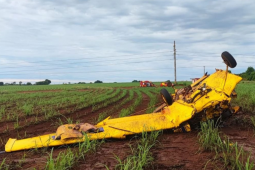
[(180, 151), (126, 105), (91, 116), (41, 127), (46, 128), (105, 156), (143, 106), (244, 137)]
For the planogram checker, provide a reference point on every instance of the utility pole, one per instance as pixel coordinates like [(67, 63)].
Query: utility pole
[(174, 64), (204, 70)]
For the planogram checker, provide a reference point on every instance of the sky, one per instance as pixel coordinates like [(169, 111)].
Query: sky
[(120, 41)]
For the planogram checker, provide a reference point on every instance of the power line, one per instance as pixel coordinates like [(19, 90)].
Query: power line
[(90, 66), (147, 61), (135, 62), (94, 57), (191, 55), (212, 60), (191, 52), (115, 59), (53, 61), (64, 64), (114, 70)]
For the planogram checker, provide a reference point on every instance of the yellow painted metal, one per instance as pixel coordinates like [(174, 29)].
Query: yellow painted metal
[(216, 81), (198, 81), (170, 117)]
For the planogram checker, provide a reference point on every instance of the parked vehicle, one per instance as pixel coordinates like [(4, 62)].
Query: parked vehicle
[(146, 83)]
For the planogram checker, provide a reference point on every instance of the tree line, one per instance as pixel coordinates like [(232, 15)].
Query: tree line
[(249, 74), (45, 82)]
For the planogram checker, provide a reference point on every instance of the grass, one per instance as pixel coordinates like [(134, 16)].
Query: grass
[(68, 159), (88, 146), (2, 112), (27, 108), (244, 97), (37, 112), (65, 160), (3, 164), (16, 124), (127, 111), (253, 121), (102, 116), (209, 137), (141, 156), (153, 99), (117, 107), (234, 157)]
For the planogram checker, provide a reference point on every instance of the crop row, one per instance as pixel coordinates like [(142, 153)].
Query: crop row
[(234, 157), (245, 97), (20, 108), (51, 110)]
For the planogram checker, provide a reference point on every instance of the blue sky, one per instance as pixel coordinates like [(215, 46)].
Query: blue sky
[(120, 41)]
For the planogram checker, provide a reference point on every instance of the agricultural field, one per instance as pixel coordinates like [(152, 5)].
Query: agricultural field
[(28, 111)]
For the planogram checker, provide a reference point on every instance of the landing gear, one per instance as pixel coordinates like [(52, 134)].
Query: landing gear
[(166, 97), (228, 59)]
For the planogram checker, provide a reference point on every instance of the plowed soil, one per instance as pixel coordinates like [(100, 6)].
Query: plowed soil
[(174, 150)]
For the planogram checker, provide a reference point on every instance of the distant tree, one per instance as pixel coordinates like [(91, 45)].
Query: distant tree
[(134, 81), (20, 82), (28, 83), (39, 83), (81, 83), (1, 83), (249, 70), (14, 83), (98, 81), (45, 82), (251, 76), (69, 82)]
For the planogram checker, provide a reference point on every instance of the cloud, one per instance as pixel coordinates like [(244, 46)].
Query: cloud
[(73, 40)]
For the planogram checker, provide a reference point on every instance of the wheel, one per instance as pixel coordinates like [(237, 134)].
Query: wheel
[(166, 96), (229, 60)]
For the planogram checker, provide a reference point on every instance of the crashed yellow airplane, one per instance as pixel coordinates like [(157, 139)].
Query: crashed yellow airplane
[(207, 98)]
